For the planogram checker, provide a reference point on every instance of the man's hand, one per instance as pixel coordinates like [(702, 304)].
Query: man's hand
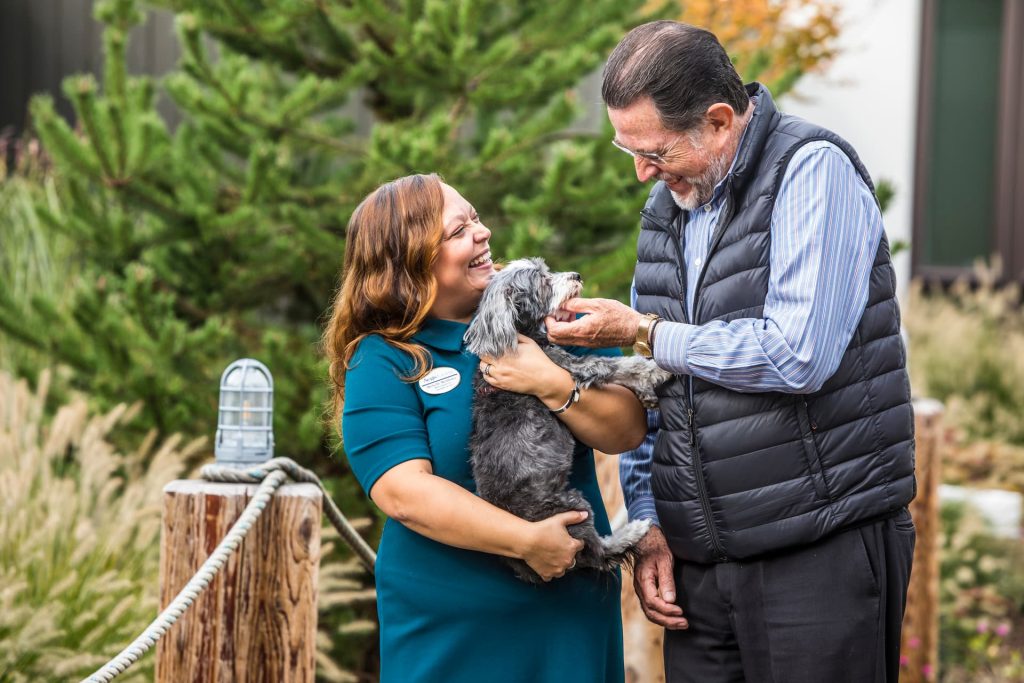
[(654, 584), (607, 323)]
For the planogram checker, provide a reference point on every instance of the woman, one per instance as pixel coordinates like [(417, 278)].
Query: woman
[(416, 263)]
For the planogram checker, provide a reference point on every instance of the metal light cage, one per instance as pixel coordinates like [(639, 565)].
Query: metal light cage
[(245, 419)]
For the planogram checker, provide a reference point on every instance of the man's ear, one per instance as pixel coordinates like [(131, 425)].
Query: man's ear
[(720, 116)]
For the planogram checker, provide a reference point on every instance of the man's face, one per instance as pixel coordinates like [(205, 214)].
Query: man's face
[(690, 163)]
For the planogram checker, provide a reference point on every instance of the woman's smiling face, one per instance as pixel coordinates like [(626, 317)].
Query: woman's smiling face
[(463, 267)]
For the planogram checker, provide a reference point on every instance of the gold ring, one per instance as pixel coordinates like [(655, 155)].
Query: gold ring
[(487, 369)]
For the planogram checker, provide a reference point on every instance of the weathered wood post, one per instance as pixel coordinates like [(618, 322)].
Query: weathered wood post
[(257, 620), (920, 644), (640, 638)]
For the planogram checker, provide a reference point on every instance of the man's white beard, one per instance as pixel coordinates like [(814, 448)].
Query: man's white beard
[(703, 186)]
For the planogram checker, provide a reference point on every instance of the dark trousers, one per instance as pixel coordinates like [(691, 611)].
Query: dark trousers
[(823, 613)]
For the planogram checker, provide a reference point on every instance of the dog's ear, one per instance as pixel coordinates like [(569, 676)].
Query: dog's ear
[(492, 332)]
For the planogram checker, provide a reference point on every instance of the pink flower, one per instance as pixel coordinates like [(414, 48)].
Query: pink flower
[(982, 626), (904, 661), (927, 670), (913, 642), (1003, 629)]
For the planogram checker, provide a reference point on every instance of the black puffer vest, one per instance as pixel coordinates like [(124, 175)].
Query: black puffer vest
[(737, 474)]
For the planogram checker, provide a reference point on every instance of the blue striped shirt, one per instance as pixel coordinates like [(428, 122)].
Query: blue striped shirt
[(825, 231)]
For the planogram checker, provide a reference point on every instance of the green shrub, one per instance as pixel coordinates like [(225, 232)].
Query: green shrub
[(35, 261)]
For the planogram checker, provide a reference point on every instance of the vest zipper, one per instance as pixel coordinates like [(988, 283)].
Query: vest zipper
[(702, 491), (698, 473), (810, 420), (679, 253), (720, 226)]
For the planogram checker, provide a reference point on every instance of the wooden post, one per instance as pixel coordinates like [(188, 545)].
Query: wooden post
[(640, 638), (257, 620), (919, 648)]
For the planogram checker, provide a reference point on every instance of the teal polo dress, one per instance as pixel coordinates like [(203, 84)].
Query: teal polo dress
[(449, 615)]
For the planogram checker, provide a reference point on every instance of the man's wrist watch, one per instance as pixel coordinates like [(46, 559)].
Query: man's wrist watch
[(643, 345)]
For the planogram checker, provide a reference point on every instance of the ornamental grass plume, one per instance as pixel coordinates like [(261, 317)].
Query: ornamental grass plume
[(967, 350), (79, 535)]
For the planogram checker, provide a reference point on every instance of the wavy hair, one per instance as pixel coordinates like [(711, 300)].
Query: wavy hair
[(387, 282)]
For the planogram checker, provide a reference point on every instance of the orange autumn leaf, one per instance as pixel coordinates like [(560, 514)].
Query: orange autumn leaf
[(771, 41)]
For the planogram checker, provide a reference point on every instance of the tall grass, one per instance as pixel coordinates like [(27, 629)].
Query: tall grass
[(967, 350), (79, 535)]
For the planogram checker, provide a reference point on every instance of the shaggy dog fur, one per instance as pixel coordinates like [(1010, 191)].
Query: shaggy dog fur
[(522, 454)]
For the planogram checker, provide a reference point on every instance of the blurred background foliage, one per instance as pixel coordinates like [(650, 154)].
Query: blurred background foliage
[(139, 259), (981, 598), (966, 346)]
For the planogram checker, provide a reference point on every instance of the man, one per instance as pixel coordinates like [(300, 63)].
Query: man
[(780, 464)]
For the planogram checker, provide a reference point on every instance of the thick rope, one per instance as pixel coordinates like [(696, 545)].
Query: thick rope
[(254, 475), (270, 475)]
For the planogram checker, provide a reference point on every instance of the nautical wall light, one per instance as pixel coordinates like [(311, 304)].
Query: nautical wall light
[(245, 425)]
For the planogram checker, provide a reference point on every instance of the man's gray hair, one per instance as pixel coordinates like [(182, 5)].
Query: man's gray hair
[(682, 68)]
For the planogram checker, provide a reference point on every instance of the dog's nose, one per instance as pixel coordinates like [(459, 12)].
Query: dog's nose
[(576, 277)]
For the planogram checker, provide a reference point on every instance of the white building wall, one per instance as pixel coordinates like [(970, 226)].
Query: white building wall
[(868, 95)]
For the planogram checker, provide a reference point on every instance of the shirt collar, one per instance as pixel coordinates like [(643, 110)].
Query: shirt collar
[(716, 196), (443, 335)]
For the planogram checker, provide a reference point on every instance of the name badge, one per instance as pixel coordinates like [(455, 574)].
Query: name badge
[(440, 381)]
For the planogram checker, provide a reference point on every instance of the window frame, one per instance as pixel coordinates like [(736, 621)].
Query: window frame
[(1008, 190)]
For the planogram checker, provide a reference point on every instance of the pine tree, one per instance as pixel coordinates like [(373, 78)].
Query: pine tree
[(223, 238)]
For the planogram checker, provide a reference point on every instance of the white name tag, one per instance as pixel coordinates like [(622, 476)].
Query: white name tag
[(440, 381)]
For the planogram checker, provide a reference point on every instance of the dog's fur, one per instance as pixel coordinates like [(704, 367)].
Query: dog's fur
[(522, 454)]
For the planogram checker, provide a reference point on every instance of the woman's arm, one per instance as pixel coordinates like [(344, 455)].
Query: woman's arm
[(443, 511), (608, 418)]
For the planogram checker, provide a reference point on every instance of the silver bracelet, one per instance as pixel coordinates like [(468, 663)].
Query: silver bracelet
[(573, 398)]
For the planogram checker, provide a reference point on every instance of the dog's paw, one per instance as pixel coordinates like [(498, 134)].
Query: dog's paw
[(634, 532), (647, 398), (656, 376)]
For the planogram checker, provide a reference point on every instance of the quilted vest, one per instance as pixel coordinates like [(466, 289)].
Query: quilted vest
[(736, 475)]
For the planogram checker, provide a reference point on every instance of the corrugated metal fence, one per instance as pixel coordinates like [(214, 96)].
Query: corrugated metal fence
[(43, 41)]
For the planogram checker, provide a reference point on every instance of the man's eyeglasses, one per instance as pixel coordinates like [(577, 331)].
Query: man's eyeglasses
[(653, 157)]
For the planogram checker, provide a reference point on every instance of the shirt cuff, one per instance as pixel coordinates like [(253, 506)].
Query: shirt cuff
[(642, 507), (671, 341)]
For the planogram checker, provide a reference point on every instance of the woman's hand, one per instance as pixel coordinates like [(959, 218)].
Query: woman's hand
[(550, 550), (527, 370)]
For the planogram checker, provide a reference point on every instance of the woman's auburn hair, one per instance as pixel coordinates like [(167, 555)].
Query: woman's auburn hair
[(387, 283)]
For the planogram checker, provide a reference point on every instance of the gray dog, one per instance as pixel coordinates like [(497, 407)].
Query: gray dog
[(521, 453)]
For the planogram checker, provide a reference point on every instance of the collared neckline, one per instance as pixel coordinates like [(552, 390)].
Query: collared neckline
[(444, 335), (716, 195), (766, 118)]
